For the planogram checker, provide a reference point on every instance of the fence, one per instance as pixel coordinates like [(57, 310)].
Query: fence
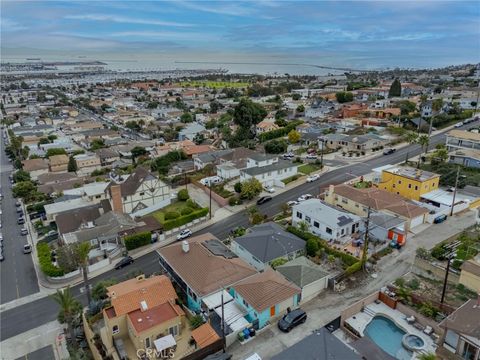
[(221, 201), (434, 271), (205, 351)]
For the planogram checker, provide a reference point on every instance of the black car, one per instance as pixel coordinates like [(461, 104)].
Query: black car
[(292, 319), (263, 200), (389, 151), (127, 260)]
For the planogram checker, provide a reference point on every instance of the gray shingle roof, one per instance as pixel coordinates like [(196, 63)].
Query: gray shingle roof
[(281, 164), (301, 271), (269, 241)]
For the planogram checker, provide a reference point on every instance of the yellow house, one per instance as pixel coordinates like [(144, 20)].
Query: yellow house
[(145, 315), (470, 275), (409, 182)]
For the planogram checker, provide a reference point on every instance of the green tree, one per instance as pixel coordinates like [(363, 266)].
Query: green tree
[(246, 115), (238, 187), (133, 125), (395, 89), (423, 141), (138, 151), (294, 136), (437, 104), (72, 164), (99, 291), (251, 188), (296, 97), (20, 176), (440, 154), (406, 107), (25, 190), (82, 251), (300, 108), (343, 97), (43, 140), (70, 311), (183, 195), (97, 144), (276, 146), (312, 247), (186, 118), (152, 105), (55, 151), (427, 356), (52, 137)]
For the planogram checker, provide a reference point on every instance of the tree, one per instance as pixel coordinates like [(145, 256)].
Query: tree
[(183, 195), (97, 144), (423, 141), (152, 105), (82, 251), (312, 247), (300, 108), (440, 154), (133, 125), (281, 122), (20, 176), (186, 118), (294, 136), (25, 190), (72, 164), (52, 137), (215, 106), (43, 140), (296, 96), (56, 151), (343, 97), (70, 310), (251, 188), (437, 104), (246, 115), (138, 151), (276, 146), (395, 89), (406, 107), (99, 291)]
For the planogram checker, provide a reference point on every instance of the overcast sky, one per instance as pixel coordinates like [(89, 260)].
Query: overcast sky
[(396, 33)]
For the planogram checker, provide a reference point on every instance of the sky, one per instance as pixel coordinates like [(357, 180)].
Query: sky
[(384, 33)]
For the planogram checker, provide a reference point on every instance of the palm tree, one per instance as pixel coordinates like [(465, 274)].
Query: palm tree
[(82, 251), (441, 154), (411, 137), (423, 141), (70, 308)]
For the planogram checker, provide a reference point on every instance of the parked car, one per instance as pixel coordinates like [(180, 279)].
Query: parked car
[(19, 210), (312, 178), (23, 231), (389, 151), (127, 260), (212, 180), (439, 219), (292, 319), (1, 254), (288, 156), (292, 202), (269, 189), (459, 124), (263, 200), (184, 234), (311, 157), (304, 197), (20, 221), (27, 249)]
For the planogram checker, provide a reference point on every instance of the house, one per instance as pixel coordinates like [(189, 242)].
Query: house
[(35, 167), (58, 163), (202, 266), (321, 345), (319, 109), (138, 191), (93, 192), (209, 158), (52, 210), (265, 296), (87, 163), (324, 220), (409, 182), (264, 243), (190, 131), (426, 109), (385, 227), (466, 157), (307, 275), (265, 126), (470, 274), (462, 140), (268, 169), (353, 142), (357, 201), (353, 110), (144, 314), (107, 156), (461, 338)]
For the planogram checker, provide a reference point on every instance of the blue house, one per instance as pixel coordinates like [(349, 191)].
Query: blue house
[(202, 266), (265, 296)]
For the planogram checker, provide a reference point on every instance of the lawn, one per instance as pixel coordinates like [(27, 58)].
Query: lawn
[(309, 168), (175, 206), (214, 84)]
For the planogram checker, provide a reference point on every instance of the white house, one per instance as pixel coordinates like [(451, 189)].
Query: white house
[(269, 170), (138, 191), (324, 220)]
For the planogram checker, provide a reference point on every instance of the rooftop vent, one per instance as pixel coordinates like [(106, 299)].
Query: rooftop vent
[(143, 305), (185, 246)]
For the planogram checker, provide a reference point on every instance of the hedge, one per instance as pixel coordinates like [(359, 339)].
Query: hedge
[(45, 261), (137, 240), (171, 215), (347, 259), (354, 268), (185, 219), (269, 135)]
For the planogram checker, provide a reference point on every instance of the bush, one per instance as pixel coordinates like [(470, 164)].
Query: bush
[(278, 262), (183, 195), (196, 321), (353, 268), (238, 187), (312, 247), (99, 291), (186, 211), (182, 220), (413, 284), (192, 204), (171, 215), (269, 135), (232, 201), (44, 258), (137, 240)]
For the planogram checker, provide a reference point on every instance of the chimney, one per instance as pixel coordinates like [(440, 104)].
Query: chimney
[(185, 246), (116, 198)]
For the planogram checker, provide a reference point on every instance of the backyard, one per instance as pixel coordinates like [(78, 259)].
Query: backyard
[(179, 213)]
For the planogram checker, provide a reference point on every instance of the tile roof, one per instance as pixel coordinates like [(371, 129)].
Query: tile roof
[(34, 164), (204, 335), (203, 271), (58, 159), (144, 320), (266, 289), (126, 296)]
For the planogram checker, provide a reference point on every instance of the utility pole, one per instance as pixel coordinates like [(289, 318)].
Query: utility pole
[(455, 191), (406, 159), (321, 154), (223, 324), (185, 180), (210, 186), (365, 241), (429, 134), (446, 278)]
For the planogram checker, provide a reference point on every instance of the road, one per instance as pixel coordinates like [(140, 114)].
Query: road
[(33, 314), (18, 277)]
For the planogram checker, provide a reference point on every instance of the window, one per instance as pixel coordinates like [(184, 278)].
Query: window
[(343, 231), (299, 214), (142, 193), (393, 185), (416, 187), (124, 199), (245, 303), (469, 351), (98, 196), (399, 182), (409, 186), (356, 205), (147, 342), (307, 219), (316, 224), (115, 329), (328, 230), (345, 200), (173, 330)]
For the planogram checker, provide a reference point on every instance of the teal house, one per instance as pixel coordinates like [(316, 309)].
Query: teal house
[(265, 296)]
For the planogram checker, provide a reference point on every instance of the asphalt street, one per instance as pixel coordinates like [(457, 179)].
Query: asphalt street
[(22, 318), (17, 274)]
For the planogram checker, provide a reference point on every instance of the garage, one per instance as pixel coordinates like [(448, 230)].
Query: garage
[(416, 221)]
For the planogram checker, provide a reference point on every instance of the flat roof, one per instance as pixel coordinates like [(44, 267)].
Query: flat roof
[(412, 173)]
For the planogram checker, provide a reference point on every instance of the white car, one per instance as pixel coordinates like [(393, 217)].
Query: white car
[(292, 203), (184, 234), (304, 197), (312, 178), (269, 189), (459, 124)]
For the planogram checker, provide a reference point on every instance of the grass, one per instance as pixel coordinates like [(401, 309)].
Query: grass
[(214, 84), (291, 178), (307, 169), (176, 206)]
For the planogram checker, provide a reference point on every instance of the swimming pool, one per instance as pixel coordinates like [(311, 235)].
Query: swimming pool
[(388, 336)]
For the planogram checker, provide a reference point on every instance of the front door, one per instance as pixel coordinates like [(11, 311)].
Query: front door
[(272, 311)]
